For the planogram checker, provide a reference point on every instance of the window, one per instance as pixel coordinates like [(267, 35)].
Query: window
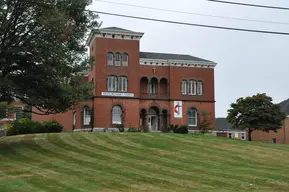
[(200, 88), (192, 87), (192, 117), (110, 59), (184, 87), (122, 84), (74, 119), (125, 59), (18, 112), (230, 135), (243, 136), (86, 116), (112, 83), (117, 60), (116, 115), (152, 87)]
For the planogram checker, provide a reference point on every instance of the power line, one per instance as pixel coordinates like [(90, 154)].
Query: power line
[(251, 5), (179, 23), (191, 13), (192, 24)]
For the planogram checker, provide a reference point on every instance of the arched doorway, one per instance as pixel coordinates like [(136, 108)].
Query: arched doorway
[(154, 119)]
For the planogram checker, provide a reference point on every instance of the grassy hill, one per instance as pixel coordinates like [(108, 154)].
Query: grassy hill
[(140, 162)]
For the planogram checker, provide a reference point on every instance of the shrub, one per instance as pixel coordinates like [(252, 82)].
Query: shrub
[(120, 127), (27, 126), (133, 130), (52, 127), (183, 129), (176, 129)]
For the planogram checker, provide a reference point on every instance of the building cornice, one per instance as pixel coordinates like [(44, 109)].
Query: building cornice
[(113, 34), (177, 63)]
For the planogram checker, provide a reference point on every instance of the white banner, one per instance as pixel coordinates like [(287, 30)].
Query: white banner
[(178, 109), (113, 94)]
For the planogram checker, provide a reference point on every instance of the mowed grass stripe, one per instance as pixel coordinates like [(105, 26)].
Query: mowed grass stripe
[(112, 167), (228, 176), (211, 164), (164, 164), (140, 162), (134, 165)]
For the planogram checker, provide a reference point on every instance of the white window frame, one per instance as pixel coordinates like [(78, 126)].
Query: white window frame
[(117, 59), (200, 88), (243, 135), (124, 59), (86, 116), (112, 83), (184, 87), (74, 118), (116, 115), (110, 60), (196, 118), (122, 84), (192, 87)]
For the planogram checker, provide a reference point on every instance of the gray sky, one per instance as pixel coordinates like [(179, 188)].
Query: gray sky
[(248, 63)]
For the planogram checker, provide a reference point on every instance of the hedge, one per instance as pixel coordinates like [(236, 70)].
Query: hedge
[(27, 126)]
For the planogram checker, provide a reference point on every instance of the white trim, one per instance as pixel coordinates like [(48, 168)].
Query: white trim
[(177, 63), (117, 35)]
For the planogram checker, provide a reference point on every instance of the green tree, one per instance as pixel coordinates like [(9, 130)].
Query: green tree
[(256, 113), (42, 52), (206, 122)]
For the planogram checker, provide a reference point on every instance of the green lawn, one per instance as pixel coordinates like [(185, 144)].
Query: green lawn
[(140, 162)]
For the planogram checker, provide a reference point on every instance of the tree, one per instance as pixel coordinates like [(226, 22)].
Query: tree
[(256, 113), (206, 122), (42, 52)]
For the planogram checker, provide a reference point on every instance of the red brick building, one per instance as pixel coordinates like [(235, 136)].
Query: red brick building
[(140, 89)]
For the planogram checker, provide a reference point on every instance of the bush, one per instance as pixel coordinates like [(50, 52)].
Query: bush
[(27, 126), (176, 129), (133, 130), (183, 129), (52, 127), (120, 127)]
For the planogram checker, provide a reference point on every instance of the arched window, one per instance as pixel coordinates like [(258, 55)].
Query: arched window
[(153, 86), (192, 117), (109, 58), (184, 87), (200, 88), (117, 59), (74, 119), (122, 84), (192, 87), (112, 83), (86, 115), (116, 115), (125, 59)]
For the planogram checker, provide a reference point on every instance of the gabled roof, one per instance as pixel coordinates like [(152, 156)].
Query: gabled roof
[(169, 56)]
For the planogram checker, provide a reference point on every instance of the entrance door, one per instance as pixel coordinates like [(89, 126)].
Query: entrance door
[(153, 123)]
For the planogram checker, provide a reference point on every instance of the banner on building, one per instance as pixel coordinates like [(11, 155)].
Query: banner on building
[(178, 109)]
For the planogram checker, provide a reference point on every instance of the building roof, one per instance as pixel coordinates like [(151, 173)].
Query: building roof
[(285, 106), (117, 29), (169, 56)]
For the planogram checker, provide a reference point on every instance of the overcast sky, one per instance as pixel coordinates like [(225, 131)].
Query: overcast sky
[(248, 63)]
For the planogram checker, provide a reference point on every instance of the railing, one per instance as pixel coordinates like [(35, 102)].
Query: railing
[(154, 96)]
